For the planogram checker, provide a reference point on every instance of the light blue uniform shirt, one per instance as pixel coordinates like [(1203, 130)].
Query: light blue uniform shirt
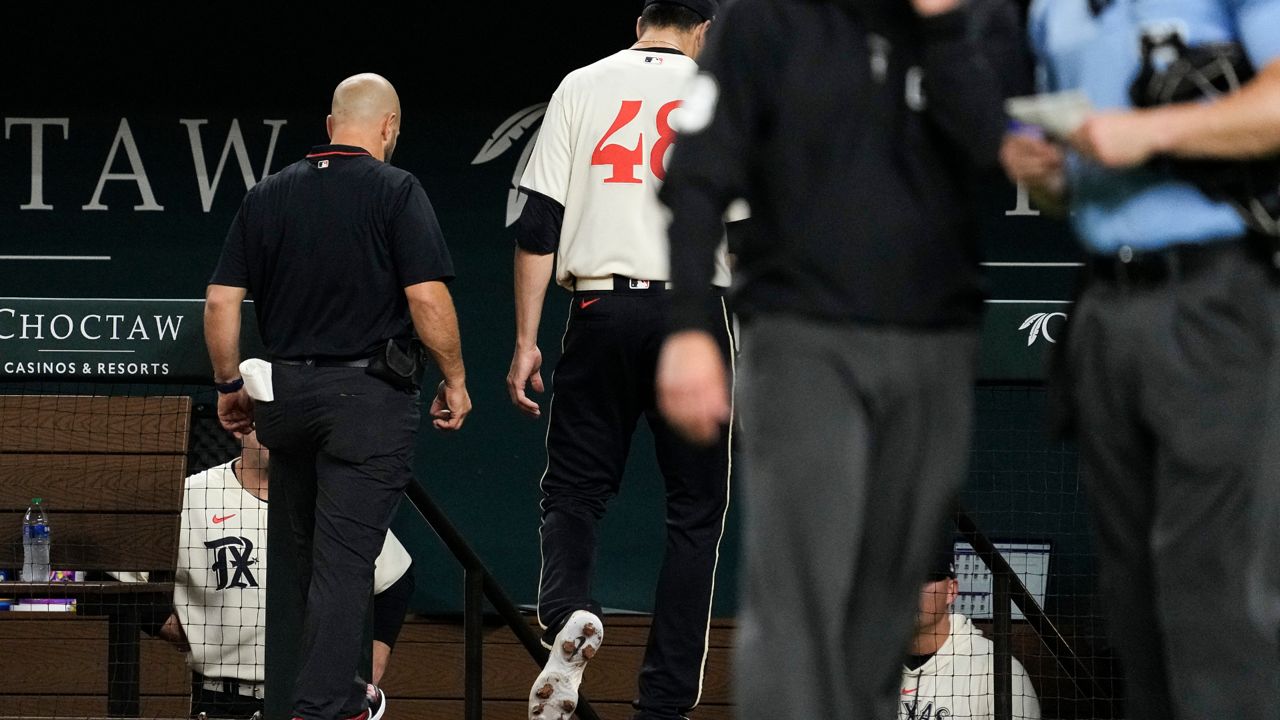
[(1101, 56)]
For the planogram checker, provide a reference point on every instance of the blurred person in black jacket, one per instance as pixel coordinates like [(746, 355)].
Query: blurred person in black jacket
[(855, 131)]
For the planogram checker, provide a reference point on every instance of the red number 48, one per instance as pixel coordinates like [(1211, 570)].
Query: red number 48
[(625, 160)]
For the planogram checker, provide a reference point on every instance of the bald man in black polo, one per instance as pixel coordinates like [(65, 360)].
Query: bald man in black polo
[(347, 267)]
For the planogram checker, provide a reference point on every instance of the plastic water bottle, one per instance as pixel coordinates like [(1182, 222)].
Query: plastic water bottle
[(35, 544)]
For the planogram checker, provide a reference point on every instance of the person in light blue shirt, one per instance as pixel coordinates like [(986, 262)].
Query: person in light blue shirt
[(1171, 368)]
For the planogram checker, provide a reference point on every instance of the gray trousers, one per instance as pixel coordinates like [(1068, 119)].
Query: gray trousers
[(856, 440), (1177, 390)]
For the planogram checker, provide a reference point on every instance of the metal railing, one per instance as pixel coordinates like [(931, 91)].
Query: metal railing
[(479, 584), (1007, 588)]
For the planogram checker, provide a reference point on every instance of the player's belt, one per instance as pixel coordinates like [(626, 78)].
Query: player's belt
[(230, 686), (618, 283)]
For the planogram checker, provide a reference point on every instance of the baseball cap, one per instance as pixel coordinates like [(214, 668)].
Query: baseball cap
[(706, 8), (943, 566)]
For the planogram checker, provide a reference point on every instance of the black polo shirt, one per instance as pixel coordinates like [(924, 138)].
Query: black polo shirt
[(326, 247)]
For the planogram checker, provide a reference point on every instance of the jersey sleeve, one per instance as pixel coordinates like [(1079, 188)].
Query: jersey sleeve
[(738, 211), (233, 268), (539, 225), (392, 562), (1258, 22), (417, 243), (1026, 705), (551, 163)]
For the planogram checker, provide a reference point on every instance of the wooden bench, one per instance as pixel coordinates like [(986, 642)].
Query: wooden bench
[(110, 470)]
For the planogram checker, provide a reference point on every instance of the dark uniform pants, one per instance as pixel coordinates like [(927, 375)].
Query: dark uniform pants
[(856, 442), (221, 704), (341, 447), (1177, 390), (603, 383)]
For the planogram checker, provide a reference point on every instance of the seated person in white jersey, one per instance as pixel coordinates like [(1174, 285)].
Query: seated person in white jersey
[(949, 671), (219, 603)]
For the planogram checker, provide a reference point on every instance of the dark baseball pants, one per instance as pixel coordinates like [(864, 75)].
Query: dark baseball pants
[(603, 384), (856, 445), (341, 447), (1177, 390), (216, 704)]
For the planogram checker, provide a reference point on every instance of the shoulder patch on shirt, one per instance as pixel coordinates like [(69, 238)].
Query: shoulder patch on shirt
[(699, 106)]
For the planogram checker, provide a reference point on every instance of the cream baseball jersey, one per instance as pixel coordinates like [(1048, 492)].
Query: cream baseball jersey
[(601, 153), (958, 682), (220, 588)]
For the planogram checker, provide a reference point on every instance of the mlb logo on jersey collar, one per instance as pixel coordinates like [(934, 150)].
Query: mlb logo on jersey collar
[(639, 284), (652, 60)]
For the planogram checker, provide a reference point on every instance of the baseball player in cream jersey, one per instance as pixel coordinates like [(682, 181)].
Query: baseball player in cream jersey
[(949, 672), (591, 210), (220, 588)]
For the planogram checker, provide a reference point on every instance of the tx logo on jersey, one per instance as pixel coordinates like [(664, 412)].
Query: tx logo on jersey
[(232, 557), (913, 711), (503, 139)]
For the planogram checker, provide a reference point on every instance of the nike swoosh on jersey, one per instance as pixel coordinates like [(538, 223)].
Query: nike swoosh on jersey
[(219, 520), (588, 303)]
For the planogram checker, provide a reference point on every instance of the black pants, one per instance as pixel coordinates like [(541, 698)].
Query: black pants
[(341, 447), (217, 704), (1177, 390), (603, 385)]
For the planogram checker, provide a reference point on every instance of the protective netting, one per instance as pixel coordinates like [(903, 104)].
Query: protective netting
[(138, 479)]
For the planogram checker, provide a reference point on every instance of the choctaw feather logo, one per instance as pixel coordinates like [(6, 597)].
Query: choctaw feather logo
[(503, 139), (1039, 324)]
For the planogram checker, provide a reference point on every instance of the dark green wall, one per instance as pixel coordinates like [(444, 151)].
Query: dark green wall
[(461, 71)]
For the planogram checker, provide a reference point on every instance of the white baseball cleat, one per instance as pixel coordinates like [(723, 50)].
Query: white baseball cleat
[(377, 701), (554, 695)]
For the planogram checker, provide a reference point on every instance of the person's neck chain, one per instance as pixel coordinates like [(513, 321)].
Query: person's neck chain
[(661, 42)]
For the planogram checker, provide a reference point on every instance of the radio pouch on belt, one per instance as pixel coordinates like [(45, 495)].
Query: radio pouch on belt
[(399, 366)]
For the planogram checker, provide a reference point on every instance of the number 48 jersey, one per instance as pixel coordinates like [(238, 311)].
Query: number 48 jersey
[(601, 153)]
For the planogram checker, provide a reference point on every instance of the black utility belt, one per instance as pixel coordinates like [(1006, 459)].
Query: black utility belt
[(322, 362), (399, 363), (1127, 266)]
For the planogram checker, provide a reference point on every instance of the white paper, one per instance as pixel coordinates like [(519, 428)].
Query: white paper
[(1059, 114), (257, 379)]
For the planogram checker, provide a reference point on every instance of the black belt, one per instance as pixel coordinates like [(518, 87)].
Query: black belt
[(1129, 267), (313, 362), (230, 686)]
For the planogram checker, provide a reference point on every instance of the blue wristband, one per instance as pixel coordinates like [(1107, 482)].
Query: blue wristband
[(228, 388)]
